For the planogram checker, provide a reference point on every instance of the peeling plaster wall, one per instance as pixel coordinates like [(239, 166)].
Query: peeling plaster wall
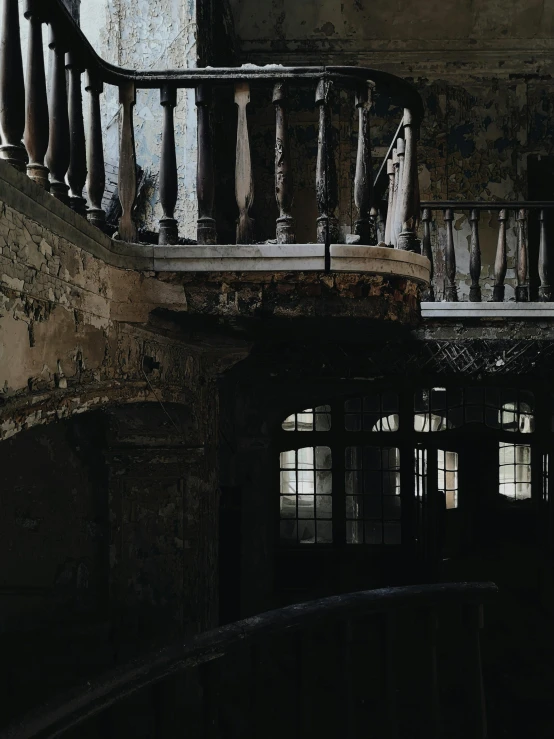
[(484, 71)]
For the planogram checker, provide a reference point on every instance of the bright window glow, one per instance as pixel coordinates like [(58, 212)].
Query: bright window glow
[(514, 471), (448, 477)]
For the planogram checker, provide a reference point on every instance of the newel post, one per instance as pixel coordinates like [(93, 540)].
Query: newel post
[(206, 231), (283, 168), (12, 88), (407, 239), (363, 185), (58, 154), (96, 180), (127, 181), (77, 172), (37, 123), (168, 168), (326, 173)]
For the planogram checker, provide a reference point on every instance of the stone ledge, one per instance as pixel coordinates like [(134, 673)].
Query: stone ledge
[(380, 260), (509, 309)]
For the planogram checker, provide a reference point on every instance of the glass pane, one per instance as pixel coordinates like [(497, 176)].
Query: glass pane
[(306, 506), (288, 506), (352, 483), (373, 532), (323, 506), (288, 482), (353, 405), (305, 458), (289, 424), (372, 506), (324, 483), (306, 532), (323, 409), (323, 421), (324, 532), (354, 533), (305, 421), (392, 507), (353, 458), (352, 422), (288, 460), (353, 506), (323, 458)]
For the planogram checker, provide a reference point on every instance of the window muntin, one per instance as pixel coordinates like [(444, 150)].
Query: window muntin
[(514, 471), (447, 477), (376, 412), (373, 503), (306, 508), (441, 409), (312, 419)]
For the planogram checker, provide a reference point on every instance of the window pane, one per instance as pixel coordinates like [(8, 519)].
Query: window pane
[(324, 506), (306, 532), (514, 475), (306, 506), (324, 481), (354, 532), (324, 532), (288, 506), (289, 531), (323, 457)]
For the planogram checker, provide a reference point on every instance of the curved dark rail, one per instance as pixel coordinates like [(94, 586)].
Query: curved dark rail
[(72, 153), (94, 697)]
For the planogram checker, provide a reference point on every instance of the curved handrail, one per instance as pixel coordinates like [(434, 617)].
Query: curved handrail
[(399, 88), (58, 717)]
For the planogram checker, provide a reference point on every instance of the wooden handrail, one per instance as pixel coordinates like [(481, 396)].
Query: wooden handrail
[(95, 696)]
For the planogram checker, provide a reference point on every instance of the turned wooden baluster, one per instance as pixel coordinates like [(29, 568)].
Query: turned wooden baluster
[(283, 168), (474, 258), (450, 288), (395, 166), (12, 88), (244, 183), (96, 181), (522, 271), (57, 156), (36, 100), (168, 168), (380, 219), (399, 190), (326, 174), (77, 172), (545, 293), (407, 239), (363, 186), (205, 180), (500, 262), (427, 251), (127, 180), (390, 209)]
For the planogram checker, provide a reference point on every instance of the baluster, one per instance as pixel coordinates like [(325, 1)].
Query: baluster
[(399, 190), (168, 168), (57, 156), (205, 180), (12, 88), (390, 209), (326, 173), (428, 252), (407, 240), (244, 183), (363, 186), (451, 289), (477, 714), (522, 288), (500, 263), (77, 172), (395, 165), (544, 262), (127, 180), (36, 101), (389, 643), (96, 180), (283, 168), (475, 258)]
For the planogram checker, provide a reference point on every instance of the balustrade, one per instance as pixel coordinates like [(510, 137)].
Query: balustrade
[(516, 215), (63, 157)]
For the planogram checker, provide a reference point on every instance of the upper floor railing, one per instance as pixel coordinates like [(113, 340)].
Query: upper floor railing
[(387, 659), (58, 153)]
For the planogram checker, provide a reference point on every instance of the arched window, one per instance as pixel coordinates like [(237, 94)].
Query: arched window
[(341, 479)]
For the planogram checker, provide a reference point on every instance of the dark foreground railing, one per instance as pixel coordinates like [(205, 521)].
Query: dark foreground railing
[(57, 153), (363, 664)]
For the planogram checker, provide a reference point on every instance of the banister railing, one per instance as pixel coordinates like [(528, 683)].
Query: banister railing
[(510, 212), (352, 613), (60, 155)]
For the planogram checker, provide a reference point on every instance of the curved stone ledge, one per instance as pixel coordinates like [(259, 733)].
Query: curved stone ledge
[(380, 260)]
